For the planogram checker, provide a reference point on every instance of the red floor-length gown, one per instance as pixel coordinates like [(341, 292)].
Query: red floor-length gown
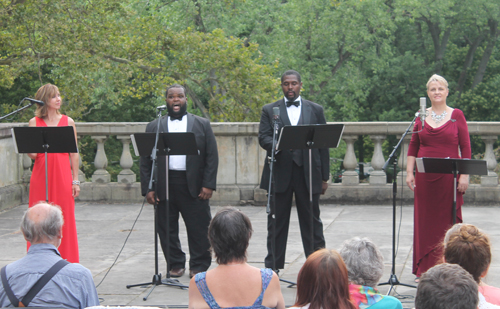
[(60, 192), (434, 192)]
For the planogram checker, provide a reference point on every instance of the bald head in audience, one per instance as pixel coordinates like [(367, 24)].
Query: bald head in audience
[(42, 224)]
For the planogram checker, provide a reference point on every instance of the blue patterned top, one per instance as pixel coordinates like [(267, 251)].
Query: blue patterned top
[(265, 273)]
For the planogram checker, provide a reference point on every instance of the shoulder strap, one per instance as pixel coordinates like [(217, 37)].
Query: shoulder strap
[(201, 283), (13, 299), (266, 274), (42, 282)]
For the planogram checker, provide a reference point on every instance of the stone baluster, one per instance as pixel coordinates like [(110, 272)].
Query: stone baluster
[(126, 162), (100, 162), (350, 176), (402, 158), (81, 174), (491, 180), (26, 168), (378, 177)]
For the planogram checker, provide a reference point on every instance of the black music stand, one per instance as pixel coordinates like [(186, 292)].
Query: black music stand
[(46, 140), (168, 144), (308, 137), (452, 166)]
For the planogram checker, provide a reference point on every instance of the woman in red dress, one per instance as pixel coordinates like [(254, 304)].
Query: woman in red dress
[(444, 135), (62, 171)]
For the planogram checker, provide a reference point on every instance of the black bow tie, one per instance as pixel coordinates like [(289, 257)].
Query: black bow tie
[(176, 117), (290, 103)]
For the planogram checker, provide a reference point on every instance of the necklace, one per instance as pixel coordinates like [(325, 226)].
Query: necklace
[(438, 118)]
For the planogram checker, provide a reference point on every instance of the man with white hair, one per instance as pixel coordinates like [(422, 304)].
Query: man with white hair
[(42, 278)]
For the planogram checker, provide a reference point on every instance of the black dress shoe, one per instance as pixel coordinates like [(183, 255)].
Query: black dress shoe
[(193, 272), (177, 272)]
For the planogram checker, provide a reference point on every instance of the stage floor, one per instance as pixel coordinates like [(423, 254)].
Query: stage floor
[(103, 228)]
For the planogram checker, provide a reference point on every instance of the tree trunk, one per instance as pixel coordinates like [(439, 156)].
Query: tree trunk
[(467, 63), (492, 40), (197, 102)]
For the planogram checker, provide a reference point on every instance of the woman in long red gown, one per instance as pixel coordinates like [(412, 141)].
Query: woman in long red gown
[(445, 134), (62, 171)]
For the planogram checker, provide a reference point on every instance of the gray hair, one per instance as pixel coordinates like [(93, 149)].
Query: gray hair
[(46, 228), (452, 230), (364, 261), (447, 286), (437, 78)]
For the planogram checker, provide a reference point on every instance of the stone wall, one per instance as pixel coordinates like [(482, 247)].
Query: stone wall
[(240, 165)]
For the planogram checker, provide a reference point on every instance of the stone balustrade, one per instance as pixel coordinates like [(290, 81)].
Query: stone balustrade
[(240, 166)]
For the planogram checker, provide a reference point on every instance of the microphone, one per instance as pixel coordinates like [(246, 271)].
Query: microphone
[(276, 112), (161, 108), (35, 101), (423, 110)]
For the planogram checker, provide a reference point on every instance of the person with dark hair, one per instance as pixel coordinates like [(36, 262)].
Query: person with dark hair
[(323, 282), (191, 179), (69, 285), (444, 134), (469, 247), (62, 168), (291, 172), (365, 267), (250, 287), (446, 286)]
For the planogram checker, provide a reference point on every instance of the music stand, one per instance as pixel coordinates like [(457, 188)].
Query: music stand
[(46, 140), (168, 144), (452, 166), (309, 137)]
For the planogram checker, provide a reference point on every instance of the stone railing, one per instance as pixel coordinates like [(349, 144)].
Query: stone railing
[(240, 166)]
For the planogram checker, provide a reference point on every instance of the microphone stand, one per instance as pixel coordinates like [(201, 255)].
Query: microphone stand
[(271, 198), (393, 279), (153, 182), (17, 110)]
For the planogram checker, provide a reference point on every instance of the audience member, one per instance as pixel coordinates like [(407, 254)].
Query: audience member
[(365, 266), (323, 282), (71, 286), (250, 287), (446, 286), (469, 247)]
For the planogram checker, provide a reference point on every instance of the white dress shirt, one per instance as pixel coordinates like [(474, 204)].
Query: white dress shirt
[(294, 112), (177, 163)]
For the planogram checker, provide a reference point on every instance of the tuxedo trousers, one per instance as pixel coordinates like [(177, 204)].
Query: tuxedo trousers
[(196, 215), (283, 209)]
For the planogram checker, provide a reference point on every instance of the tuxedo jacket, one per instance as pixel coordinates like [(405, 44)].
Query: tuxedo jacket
[(201, 170), (311, 113)]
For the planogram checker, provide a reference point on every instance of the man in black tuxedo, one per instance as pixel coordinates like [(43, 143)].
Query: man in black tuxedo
[(191, 178), (291, 171)]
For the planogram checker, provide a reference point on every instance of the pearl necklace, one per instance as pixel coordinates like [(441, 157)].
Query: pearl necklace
[(438, 118)]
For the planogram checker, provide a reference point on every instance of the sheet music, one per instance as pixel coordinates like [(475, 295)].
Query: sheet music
[(420, 165)]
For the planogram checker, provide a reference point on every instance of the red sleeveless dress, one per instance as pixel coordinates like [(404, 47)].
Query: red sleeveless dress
[(60, 192)]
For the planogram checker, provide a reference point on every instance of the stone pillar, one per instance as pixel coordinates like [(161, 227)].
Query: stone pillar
[(126, 162), (350, 177), (491, 180), (377, 177), (402, 158), (100, 162), (26, 168), (81, 175)]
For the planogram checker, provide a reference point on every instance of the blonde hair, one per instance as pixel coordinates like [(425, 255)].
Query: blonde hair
[(44, 94), (437, 78)]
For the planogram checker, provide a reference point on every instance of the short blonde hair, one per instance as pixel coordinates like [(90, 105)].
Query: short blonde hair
[(44, 94), (437, 78)]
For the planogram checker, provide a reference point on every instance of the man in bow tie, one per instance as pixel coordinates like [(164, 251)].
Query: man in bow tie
[(191, 181), (291, 171)]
